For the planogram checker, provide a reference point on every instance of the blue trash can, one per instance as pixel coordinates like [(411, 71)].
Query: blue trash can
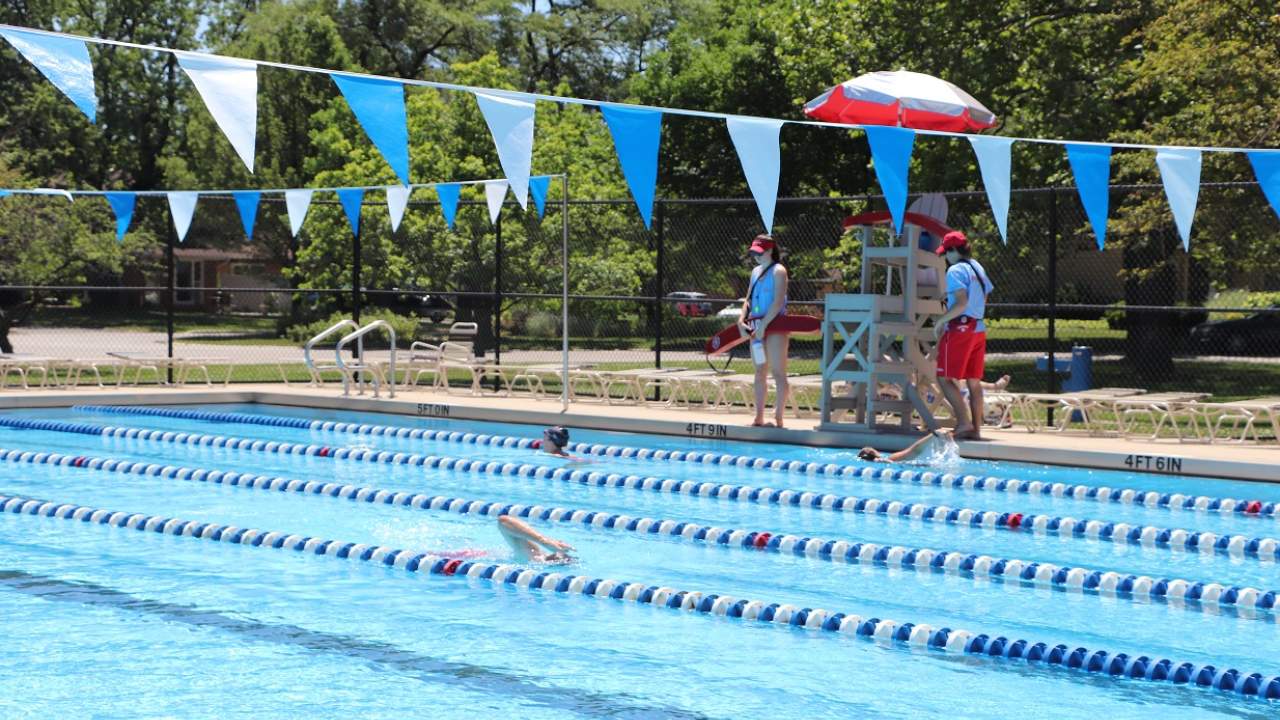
[(1081, 370)]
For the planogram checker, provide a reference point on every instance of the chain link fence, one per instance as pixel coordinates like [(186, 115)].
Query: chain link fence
[(1155, 316)]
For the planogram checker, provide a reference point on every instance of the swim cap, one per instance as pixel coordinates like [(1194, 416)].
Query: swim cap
[(557, 435)]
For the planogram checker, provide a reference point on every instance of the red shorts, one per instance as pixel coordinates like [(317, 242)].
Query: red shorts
[(962, 351)]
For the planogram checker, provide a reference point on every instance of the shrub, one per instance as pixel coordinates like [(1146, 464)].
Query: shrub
[(406, 328)]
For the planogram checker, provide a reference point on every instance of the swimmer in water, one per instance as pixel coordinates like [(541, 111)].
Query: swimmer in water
[(529, 545), (554, 440), (935, 441)]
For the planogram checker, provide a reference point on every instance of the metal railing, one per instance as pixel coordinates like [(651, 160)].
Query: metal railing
[(363, 367)]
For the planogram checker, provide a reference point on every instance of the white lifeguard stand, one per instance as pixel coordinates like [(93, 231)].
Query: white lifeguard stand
[(877, 345)]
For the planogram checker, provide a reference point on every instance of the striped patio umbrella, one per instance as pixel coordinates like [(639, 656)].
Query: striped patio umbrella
[(902, 98)]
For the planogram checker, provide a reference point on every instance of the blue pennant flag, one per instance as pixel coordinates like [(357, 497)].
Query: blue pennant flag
[(1266, 167), (1180, 173), (64, 61), (448, 194), (122, 205), (891, 157), (247, 204), (351, 199), (1091, 165), (379, 106), (637, 133), (756, 140), (5, 193), (994, 161), (510, 123), (538, 187)]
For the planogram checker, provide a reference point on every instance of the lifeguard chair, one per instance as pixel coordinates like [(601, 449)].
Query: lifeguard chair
[(877, 345)]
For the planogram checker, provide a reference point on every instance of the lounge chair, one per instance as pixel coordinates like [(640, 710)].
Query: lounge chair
[(458, 356), (1243, 417), (1032, 406)]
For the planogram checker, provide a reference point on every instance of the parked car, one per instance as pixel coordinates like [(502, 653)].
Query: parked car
[(436, 307), (731, 312), (1256, 334), (691, 304)]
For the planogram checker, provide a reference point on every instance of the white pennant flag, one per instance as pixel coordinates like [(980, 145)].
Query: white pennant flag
[(756, 141), (495, 191), (993, 153), (297, 202), (182, 206), (511, 125), (229, 88), (397, 201), (1180, 173)]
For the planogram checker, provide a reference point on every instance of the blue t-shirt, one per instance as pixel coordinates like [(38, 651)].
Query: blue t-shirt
[(970, 276)]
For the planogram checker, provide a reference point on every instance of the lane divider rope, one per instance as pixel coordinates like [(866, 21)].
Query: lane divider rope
[(921, 636), (982, 567), (1262, 548), (866, 472)]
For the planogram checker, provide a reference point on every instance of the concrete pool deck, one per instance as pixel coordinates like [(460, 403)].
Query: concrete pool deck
[(1169, 457)]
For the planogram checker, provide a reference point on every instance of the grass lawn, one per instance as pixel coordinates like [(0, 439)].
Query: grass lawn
[(147, 319)]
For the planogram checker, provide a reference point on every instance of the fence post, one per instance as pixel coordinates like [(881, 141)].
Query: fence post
[(497, 300), (1053, 295), (659, 282), (356, 252), (564, 295), (170, 298)]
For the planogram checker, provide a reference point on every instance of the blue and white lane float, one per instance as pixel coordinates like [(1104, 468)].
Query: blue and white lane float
[(1263, 548), (981, 567), (915, 635), (1012, 486)]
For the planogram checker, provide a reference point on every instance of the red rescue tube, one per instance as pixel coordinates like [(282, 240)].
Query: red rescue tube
[(732, 336)]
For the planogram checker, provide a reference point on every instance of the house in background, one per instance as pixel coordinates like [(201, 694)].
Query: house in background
[(205, 278)]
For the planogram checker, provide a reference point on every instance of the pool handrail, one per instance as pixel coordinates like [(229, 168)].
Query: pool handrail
[(350, 372), (316, 379)]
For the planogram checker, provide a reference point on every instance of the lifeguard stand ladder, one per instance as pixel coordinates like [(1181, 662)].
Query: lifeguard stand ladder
[(876, 345)]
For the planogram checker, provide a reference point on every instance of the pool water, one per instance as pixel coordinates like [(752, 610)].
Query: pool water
[(111, 622)]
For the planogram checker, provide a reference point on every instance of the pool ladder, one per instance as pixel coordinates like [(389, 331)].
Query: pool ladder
[(361, 368)]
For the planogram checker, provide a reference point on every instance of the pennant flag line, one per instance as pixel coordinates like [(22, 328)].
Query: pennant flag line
[(379, 107), (122, 204), (247, 204), (229, 89), (891, 157), (637, 134), (448, 194), (538, 187), (1266, 168), (351, 198), (397, 201), (495, 191), (64, 61), (1091, 166), (994, 163), (756, 141), (1180, 173), (511, 125), (297, 202), (182, 206)]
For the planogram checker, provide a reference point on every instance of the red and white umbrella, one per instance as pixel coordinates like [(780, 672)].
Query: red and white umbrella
[(903, 98)]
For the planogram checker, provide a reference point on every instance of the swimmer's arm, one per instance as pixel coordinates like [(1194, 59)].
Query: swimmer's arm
[(915, 449), (522, 530)]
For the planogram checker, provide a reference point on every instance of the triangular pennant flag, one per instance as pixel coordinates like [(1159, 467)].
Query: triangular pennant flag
[(351, 199), (52, 191), (891, 157), (495, 191), (1091, 165), (1180, 173), (511, 125), (379, 106), (64, 61), (247, 204), (397, 201), (182, 206), (637, 133), (122, 204), (756, 141), (538, 187), (229, 88), (448, 194), (297, 202), (5, 193), (1266, 168), (993, 161)]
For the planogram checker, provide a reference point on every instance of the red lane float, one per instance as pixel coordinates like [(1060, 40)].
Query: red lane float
[(1015, 521), (732, 336)]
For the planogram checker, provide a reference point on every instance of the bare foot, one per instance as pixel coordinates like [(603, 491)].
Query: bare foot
[(1003, 382), (777, 423), (967, 435), (758, 422)]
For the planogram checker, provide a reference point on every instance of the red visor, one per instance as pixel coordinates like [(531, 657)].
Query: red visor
[(762, 244)]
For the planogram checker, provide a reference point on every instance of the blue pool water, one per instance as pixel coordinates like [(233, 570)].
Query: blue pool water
[(113, 622)]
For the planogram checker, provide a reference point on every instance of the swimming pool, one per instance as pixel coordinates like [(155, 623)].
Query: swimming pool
[(254, 559)]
